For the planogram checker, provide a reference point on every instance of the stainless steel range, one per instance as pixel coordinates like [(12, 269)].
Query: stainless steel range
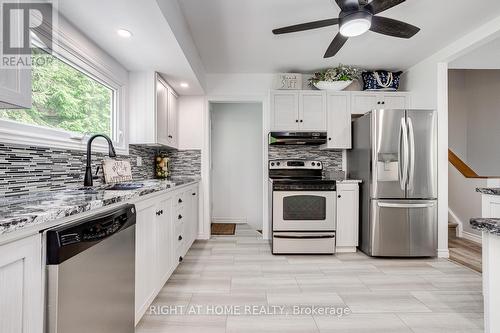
[(303, 208)]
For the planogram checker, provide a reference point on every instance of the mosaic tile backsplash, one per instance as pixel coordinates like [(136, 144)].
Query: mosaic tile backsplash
[(27, 169), (331, 159), (185, 163)]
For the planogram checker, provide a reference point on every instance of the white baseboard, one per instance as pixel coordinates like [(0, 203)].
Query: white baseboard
[(345, 249), (235, 220), (472, 237), (203, 236), (443, 253)]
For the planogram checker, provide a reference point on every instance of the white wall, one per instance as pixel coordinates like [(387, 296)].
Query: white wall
[(457, 113), (236, 131), (464, 201), (428, 82), (191, 122), (483, 97), (239, 84)]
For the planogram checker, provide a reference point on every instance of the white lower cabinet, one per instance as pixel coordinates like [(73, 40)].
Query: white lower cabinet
[(21, 301), (166, 228), (145, 256), (347, 234)]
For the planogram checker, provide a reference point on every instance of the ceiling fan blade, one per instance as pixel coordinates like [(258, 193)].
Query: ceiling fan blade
[(346, 5), (306, 26), (335, 46), (394, 28), (378, 6)]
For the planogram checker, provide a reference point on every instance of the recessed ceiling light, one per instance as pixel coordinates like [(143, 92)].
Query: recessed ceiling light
[(184, 85), (124, 33)]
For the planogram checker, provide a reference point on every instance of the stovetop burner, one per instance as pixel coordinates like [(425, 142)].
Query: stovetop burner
[(299, 175)]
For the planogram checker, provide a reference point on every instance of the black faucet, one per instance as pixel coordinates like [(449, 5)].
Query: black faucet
[(88, 181)]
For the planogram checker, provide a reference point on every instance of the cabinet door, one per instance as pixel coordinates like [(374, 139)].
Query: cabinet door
[(164, 230), (339, 121), (145, 257), (312, 111), (15, 83), (347, 216), (284, 111), (162, 120), (194, 210), (364, 102), (396, 102), (21, 305), (172, 119)]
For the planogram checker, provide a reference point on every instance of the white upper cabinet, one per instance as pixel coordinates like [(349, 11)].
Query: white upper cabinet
[(15, 85), (339, 121), (285, 111), (15, 88), (298, 111), (365, 101), (153, 110), (172, 125), (312, 111)]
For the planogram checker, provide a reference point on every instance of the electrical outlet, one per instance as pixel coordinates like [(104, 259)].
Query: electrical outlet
[(139, 161)]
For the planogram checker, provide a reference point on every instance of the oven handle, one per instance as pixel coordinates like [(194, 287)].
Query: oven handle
[(304, 237)]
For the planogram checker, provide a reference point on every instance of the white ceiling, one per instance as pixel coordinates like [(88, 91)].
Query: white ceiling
[(234, 36), (484, 57), (153, 45)]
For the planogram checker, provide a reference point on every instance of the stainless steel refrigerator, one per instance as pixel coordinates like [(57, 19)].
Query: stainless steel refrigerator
[(395, 155)]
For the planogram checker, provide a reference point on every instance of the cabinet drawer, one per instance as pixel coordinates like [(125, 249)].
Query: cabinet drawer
[(179, 229), (179, 216), (179, 252), (179, 199)]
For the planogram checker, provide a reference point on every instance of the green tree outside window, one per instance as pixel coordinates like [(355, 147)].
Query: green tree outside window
[(65, 98)]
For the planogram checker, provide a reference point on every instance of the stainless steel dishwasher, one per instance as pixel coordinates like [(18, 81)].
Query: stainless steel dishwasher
[(91, 274)]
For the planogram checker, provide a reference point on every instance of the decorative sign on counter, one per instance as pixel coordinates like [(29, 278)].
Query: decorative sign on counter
[(288, 81), (116, 171)]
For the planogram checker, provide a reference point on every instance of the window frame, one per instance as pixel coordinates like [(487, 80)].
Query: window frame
[(79, 52)]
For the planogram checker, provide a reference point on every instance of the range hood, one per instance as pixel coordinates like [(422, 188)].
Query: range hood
[(297, 138)]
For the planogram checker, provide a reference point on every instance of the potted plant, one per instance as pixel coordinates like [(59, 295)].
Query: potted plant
[(336, 79)]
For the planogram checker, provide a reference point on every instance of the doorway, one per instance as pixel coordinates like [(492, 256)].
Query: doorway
[(236, 159)]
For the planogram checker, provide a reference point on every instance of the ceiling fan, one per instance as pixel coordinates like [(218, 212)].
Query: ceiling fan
[(357, 17)]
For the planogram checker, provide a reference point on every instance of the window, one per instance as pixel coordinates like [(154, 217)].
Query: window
[(66, 98)]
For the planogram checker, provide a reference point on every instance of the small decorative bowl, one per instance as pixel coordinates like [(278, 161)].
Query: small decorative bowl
[(332, 86)]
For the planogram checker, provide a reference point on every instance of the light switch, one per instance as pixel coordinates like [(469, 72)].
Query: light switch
[(139, 161)]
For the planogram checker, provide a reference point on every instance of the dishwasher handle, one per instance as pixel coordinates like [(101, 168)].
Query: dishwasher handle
[(68, 240)]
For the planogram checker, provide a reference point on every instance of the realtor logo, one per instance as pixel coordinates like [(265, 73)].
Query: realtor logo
[(22, 19)]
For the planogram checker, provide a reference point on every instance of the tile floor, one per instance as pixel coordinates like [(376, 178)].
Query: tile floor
[(239, 274)]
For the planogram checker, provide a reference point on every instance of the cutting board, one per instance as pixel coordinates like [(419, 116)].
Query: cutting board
[(116, 171)]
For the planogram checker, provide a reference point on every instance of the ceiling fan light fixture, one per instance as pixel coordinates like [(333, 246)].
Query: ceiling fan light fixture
[(356, 24)]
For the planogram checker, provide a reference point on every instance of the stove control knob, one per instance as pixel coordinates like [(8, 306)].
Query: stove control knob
[(313, 164), (319, 164), (278, 164), (272, 163)]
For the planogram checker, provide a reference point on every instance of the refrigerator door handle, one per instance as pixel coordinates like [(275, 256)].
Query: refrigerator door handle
[(405, 205), (403, 155), (411, 135)]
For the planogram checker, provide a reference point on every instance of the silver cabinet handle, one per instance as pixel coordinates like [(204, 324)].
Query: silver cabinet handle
[(403, 154), (411, 135), (400, 205)]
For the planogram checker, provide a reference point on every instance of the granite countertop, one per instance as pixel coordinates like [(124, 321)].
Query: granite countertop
[(489, 190), (490, 225), (38, 209)]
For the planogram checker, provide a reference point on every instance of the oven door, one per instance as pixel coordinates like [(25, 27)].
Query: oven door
[(304, 211)]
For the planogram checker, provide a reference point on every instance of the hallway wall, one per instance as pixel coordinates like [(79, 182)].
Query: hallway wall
[(236, 151)]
